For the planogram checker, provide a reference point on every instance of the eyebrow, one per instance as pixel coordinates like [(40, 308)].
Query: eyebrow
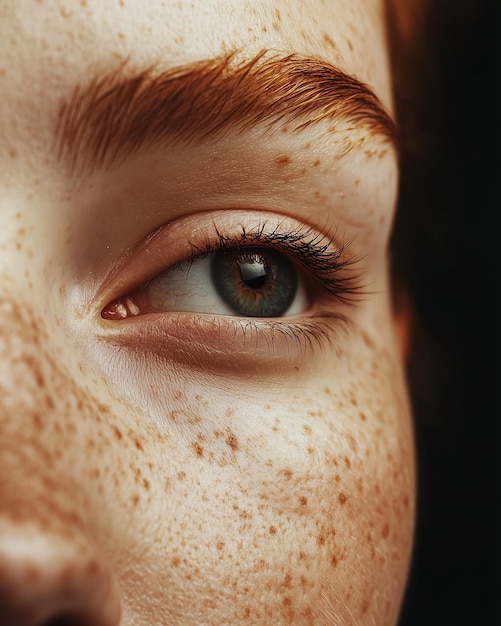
[(120, 113)]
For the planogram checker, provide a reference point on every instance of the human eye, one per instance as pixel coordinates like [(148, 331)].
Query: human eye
[(235, 279), (242, 276)]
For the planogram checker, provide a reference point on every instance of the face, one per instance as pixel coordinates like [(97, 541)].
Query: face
[(203, 417)]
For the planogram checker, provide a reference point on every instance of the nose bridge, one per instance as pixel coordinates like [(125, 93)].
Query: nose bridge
[(51, 571)]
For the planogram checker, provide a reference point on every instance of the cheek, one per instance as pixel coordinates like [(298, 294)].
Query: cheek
[(58, 445), (296, 501), (290, 503)]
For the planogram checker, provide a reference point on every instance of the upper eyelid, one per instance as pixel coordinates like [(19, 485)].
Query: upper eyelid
[(319, 255), (177, 241)]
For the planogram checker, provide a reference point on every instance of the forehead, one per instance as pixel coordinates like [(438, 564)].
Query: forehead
[(56, 43)]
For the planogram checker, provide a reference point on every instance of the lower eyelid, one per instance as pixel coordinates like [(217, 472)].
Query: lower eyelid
[(228, 344)]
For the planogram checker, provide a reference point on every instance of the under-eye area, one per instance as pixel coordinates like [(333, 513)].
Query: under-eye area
[(245, 278)]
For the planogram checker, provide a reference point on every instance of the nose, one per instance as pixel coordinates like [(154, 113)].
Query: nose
[(51, 579)]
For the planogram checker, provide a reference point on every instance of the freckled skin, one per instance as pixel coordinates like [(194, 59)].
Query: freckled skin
[(167, 490)]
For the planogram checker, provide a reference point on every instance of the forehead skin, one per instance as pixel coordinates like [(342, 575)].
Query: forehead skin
[(167, 486)]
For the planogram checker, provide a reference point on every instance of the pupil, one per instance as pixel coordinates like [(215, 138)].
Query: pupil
[(253, 271)]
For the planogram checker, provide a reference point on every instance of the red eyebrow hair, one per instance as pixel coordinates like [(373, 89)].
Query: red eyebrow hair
[(118, 114)]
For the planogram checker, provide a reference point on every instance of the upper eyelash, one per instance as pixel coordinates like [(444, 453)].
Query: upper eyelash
[(323, 257), (319, 254)]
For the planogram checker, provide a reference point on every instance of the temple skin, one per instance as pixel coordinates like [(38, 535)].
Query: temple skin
[(172, 469)]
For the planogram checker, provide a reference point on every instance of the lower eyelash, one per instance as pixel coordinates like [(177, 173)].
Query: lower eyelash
[(300, 335), (334, 278)]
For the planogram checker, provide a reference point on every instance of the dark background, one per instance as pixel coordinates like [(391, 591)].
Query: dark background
[(448, 245)]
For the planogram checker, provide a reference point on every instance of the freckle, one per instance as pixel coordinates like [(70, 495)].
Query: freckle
[(39, 379), (321, 540), (328, 40), (275, 26), (316, 163), (220, 545), (138, 444), (347, 462), (273, 530), (135, 500), (232, 442), (175, 561), (118, 433), (386, 531), (365, 607), (181, 475), (287, 473), (12, 153), (357, 181), (264, 29), (37, 420), (334, 560), (342, 498), (146, 484), (283, 160), (198, 449), (178, 395), (303, 501), (363, 416)]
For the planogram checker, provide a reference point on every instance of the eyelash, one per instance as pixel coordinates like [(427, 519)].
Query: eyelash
[(322, 257), (317, 253)]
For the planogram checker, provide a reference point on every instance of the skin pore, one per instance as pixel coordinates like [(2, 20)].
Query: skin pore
[(169, 462)]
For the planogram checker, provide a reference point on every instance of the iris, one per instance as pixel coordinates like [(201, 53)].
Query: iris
[(254, 282)]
